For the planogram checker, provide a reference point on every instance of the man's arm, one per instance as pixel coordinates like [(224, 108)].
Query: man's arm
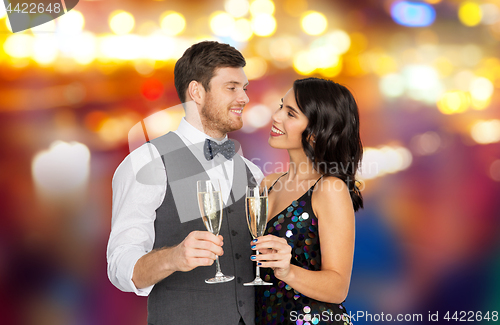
[(132, 264), (199, 248)]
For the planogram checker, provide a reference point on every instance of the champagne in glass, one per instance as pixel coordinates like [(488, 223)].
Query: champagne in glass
[(210, 203), (256, 211)]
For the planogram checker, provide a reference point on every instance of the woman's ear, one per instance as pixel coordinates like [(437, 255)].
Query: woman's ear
[(196, 92), (311, 138)]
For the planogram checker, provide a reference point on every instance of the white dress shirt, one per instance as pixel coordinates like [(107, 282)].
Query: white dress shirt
[(134, 203)]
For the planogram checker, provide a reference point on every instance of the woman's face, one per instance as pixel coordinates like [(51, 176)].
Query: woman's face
[(288, 124)]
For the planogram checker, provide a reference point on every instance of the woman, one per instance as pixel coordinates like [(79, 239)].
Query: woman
[(318, 123)]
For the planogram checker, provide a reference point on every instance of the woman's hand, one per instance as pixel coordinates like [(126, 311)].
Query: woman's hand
[(274, 253)]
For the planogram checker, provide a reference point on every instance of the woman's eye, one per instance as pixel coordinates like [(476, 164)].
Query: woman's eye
[(281, 106), (290, 114)]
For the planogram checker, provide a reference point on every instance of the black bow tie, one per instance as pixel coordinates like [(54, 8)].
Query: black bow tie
[(211, 149)]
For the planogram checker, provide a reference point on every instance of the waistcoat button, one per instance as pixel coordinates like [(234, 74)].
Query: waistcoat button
[(234, 232), (237, 256)]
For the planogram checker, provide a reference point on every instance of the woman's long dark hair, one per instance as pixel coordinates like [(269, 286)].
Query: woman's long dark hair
[(334, 126)]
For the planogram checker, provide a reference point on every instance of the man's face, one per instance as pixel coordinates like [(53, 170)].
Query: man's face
[(224, 103)]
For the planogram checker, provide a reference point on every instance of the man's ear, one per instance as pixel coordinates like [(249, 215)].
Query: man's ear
[(197, 92)]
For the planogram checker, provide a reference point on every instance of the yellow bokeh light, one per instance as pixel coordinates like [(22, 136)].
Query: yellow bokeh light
[(242, 30), (385, 64), (484, 132), (480, 105), (3, 13), (19, 45), (172, 23), (302, 63), (314, 23), (121, 22), (237, 8), (443, 66), (470, 13), (332, 71), (481, 89), (45, 49), (71, 23), (84, 49), (255, 68), (222, 23), (433, 2), (263, 25), (452, 102), (258, 7)]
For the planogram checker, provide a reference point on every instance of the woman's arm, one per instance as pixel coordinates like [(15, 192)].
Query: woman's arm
[(333, 207)]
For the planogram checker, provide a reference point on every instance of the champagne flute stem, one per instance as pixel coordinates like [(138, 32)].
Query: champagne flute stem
[(257, 271), (218, 272)]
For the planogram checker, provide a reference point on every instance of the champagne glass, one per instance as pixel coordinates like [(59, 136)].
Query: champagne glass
[(210, 203), (256, 211)]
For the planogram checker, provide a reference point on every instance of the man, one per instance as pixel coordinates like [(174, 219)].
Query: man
[(158, 245)]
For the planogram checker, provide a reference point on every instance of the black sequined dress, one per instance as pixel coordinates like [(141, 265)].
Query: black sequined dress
[(279, 303)]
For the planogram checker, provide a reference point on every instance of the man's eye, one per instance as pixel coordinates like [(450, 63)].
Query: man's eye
[(232, 88)]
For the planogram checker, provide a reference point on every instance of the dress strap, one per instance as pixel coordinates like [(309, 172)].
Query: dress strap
[(317, 182), (277, 179)]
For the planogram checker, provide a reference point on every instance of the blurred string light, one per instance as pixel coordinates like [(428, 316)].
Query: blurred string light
[(264, 25), (324, 55), (413, 14), (3, 13), (121, 22), (71, 23), (378, 162), (258, 7), (453, 102), (237, 8), (422, 83), (172, 23), (469, 13), (19, 45), (222, 23), (314, 23), (484, 132), (62, 169), (45, 49), (242, 30)]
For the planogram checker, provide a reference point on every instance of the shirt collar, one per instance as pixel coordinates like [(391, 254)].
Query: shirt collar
[(194, 135)]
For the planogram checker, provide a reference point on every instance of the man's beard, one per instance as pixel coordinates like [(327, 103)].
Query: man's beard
[(216, 118)]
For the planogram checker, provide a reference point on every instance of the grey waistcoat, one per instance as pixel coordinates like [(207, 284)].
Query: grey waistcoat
[(184, 297)]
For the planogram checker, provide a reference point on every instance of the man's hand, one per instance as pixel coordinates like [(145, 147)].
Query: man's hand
[(199, 248)]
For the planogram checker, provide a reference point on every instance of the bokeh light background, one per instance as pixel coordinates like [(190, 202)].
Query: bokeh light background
[(426, 76)]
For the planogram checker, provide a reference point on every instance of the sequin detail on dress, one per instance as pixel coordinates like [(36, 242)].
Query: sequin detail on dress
[(280, 303)]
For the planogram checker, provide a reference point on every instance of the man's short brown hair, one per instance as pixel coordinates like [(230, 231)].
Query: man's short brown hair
[(199, 63)]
